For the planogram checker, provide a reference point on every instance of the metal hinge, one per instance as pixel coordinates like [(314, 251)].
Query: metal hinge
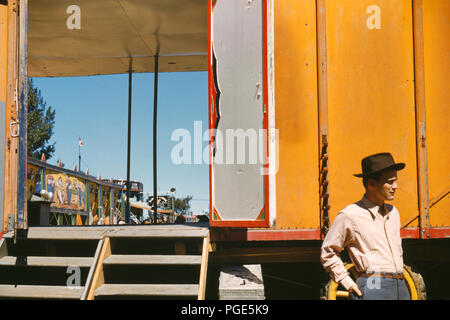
[(10, 222), (11, 124)]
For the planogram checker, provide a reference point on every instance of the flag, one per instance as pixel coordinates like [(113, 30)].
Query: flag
[(80, 143)]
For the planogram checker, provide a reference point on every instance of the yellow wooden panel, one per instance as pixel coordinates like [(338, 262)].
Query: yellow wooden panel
[(370, 96), (3, 50), (436, 19), (296, 114)]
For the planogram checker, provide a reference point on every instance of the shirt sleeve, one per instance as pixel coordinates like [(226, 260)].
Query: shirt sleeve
[(333, 244)]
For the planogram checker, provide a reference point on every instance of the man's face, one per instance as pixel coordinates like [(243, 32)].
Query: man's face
[(384, 189)]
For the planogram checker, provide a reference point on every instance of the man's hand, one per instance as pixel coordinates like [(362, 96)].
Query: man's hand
[(354, 288)]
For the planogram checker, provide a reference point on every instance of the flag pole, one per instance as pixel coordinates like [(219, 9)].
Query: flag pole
[(79, 154)]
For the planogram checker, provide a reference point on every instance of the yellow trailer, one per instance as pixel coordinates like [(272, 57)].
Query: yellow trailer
[(322, 83)]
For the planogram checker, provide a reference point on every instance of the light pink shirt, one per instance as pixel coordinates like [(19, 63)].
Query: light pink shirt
[(372, 240)]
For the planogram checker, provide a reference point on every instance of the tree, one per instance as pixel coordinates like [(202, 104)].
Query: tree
[(182, 205), (41, 121)]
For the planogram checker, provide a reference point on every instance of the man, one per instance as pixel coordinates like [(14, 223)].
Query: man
[(370, 230)]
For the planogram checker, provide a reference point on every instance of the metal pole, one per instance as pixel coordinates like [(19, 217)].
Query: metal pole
[(155, 111), (21, 217), (127, 209), (79, 155)]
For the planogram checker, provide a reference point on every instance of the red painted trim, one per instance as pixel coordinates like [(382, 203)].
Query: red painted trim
[(210, 101), (436, 233), (219, 218), (277, 235), (260, 214), (238, 223), (409, 233), (243, 234), (430, 233)]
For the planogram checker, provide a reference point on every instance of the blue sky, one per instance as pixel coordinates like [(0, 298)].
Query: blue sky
[(96, 109)]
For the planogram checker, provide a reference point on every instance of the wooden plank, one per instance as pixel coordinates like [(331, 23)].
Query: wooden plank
[(98, 277), (40, 292), (90, 277), (203, 269), (82, 262), (11, 143), (154, 259), (420, 110), (100, 232), (147, 290)]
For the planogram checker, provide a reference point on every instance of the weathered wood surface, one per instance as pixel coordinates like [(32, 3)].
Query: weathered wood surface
[(98, 279), (40, 292), (94, 264), (101, 232), (147, 290), (153, 259), (203, 269), (46, 261)]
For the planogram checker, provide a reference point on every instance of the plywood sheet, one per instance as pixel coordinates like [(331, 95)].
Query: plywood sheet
[(370, 96), (436, 25), (296, 114)]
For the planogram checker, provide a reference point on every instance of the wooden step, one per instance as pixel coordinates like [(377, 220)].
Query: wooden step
[(147, 290), (114, 231), (46, 261), (153, 259), (40, 292)]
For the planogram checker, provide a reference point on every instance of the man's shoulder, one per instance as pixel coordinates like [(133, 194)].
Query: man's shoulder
[(392, 210), (355, 207)]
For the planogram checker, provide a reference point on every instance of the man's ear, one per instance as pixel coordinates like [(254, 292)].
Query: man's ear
[(371, 183)]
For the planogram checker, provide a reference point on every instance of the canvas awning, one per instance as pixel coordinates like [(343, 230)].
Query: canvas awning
[(144, 206), (113, 31)]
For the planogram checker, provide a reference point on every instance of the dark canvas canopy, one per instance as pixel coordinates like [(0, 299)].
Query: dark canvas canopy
[(113, 31)]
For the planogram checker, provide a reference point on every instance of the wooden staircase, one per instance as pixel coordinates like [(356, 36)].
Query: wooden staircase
[(151, 262)]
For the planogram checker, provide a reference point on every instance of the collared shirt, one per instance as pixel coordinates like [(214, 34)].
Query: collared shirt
[(371, 237)]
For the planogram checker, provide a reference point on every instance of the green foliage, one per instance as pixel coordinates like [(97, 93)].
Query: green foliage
[(182, 205), (41, 121)]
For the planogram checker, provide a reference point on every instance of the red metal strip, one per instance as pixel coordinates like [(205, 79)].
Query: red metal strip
[(238, 223), (210, 101), (242, 234), (429, 233), (410, 233), (437, 233)]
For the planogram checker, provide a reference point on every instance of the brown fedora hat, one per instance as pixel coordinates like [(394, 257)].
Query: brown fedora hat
[(378, 162)]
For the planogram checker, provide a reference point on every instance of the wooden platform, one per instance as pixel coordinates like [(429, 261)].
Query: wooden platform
[(113, 231), (147, 290), (153, 259), (40, 292)]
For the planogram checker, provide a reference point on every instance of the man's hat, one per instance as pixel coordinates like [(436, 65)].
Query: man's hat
[(378, 162)]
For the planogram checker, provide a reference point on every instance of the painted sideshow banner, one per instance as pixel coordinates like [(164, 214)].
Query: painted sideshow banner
[(67, 192), (93, 203), (33, 177)]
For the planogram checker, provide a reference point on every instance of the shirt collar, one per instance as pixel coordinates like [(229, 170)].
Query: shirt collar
[(374, 208)]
